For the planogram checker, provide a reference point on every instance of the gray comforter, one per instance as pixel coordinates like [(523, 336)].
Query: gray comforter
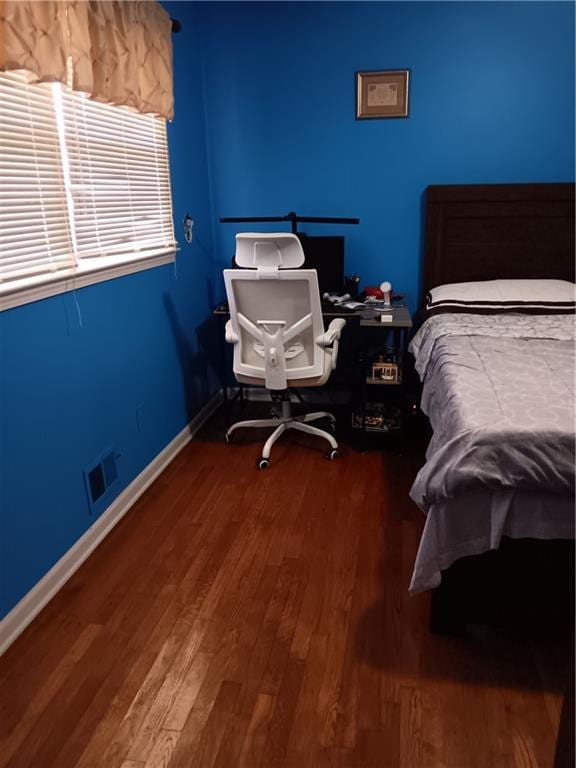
[(499, 392)]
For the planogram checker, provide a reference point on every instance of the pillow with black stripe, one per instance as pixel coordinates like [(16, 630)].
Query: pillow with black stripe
[(544, 297)]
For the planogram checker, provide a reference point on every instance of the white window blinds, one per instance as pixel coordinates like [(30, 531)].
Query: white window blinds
[(83, 185), (119, 178), (34, 230)]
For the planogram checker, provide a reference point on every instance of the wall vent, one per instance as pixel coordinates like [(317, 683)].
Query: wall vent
[(99, 477), (96, 483)]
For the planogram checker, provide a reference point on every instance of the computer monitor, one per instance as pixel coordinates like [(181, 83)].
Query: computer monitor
[(325, 254)]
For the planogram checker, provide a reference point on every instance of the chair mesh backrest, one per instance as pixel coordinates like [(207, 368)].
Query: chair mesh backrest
[(289, 297)]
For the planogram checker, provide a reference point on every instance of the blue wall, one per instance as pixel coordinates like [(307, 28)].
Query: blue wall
[(130, 375), (491, 100)]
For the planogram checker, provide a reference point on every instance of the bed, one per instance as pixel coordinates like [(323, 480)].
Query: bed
[(497, 487)]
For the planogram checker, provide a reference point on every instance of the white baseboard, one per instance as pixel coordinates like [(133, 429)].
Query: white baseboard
[(15, 622)]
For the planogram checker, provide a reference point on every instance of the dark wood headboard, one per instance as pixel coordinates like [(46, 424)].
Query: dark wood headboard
[(490, 231)]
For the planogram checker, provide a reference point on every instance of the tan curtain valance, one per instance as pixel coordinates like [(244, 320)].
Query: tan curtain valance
[(118, 52)]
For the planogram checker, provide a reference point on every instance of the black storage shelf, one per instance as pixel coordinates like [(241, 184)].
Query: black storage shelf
[(383, 383)]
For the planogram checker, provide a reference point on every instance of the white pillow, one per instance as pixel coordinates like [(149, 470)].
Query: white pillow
[(525, 296)]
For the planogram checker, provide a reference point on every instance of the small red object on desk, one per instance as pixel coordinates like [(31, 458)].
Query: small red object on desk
[(373, 290)]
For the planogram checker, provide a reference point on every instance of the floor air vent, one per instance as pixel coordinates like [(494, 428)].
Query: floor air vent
[(99, 477)]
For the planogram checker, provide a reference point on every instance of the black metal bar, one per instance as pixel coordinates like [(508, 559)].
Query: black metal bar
[(237, 219), (292, 217), (326, 220)]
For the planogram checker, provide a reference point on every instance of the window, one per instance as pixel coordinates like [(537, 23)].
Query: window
[(84, 190)]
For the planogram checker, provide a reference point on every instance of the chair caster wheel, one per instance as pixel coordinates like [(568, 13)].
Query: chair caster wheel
[(263, 464), (333, 455)]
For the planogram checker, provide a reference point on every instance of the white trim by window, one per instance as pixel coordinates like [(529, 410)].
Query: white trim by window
[(84, 191)]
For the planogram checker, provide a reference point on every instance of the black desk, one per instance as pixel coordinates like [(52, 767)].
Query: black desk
[(328, 311), (368, 332), (401, 318)]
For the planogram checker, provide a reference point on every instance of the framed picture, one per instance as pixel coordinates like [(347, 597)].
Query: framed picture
[(382, 94)]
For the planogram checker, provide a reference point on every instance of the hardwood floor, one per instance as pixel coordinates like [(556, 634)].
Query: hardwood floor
[(242, 619)]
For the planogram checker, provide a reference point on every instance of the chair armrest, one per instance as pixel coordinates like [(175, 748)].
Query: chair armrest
[(230, 336), (332, 334), (332, 337)]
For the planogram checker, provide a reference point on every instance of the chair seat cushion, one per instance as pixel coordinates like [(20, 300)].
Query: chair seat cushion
[(316, 381)]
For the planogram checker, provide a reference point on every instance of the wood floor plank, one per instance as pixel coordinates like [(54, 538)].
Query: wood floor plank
[(307, 722), (253, 745), (240, 619), (280, 651), (80, 687), (119, 689), (432, 725), (26, 663), (410, 728), (162, 749), (168, 694), (330, 689), (280, 724), (204, 742), (46, 692), (176, 716), (134, 720), (189, 739), (51, 729)]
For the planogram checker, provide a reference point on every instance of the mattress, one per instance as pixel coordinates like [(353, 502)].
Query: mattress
[(499, 393)]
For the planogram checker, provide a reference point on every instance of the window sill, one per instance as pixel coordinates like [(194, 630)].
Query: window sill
[(91, 272)]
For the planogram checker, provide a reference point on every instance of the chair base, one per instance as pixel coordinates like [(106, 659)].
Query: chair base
[(285, 422)]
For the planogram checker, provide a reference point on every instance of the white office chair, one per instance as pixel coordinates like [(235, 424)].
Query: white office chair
[(277, 330)]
